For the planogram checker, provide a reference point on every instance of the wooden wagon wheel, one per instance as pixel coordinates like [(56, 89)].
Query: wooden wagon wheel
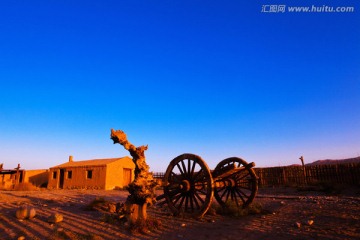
[(188, 185), (240, 186)]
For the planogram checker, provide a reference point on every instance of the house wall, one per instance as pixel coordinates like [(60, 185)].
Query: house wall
[(79, 179), (37, 177), (114, 173), (6, 181), (52, 183)]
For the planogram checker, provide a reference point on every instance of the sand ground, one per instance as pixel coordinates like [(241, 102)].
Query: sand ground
[(286, 214)]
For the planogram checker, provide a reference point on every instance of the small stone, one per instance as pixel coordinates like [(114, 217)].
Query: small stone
[(55, 218), (310, 222), (21, 238), (32, 213), (183, 225), (298, 225), (282, 203), (22, 213), (112, 208)]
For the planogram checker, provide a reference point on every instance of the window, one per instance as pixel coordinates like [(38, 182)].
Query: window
[(69, 174), (54, 175), (89, 174)]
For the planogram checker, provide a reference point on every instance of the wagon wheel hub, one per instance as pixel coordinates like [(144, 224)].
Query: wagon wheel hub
[(185, 185), (230, 182)]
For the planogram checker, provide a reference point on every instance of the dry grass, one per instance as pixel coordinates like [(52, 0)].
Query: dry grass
[(60, 233), (144, 227), (231, 209), (25, 187), (96, 204)]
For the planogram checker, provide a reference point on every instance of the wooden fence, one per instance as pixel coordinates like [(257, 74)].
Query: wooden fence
[(294, 175), (158, 175), (348, 174)]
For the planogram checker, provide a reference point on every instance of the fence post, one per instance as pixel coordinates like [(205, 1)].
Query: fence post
[(284, 176), (303, 166)]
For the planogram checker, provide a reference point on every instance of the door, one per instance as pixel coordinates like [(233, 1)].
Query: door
[(61, 182), (127, 176)]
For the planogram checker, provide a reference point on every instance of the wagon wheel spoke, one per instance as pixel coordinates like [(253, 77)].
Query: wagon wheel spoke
[(191, 202), (231, 195), (202, 191), (243, 193), (175, 176), (235, 198), (184, 168), (222, 195), (227, 195), (173, 192), (246, 188), (242, 177), (186, 203), (181, 202), (189, 168), (197, 175), (221, 189), (193, 168), (195, 201), (180, 169), (240, 193), (198, 197), (176, 199)]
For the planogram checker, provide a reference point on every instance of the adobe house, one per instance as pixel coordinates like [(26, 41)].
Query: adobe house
[(11, 177), (105, 174)]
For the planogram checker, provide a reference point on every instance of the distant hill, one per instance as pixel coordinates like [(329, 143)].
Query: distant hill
[(334, 161)]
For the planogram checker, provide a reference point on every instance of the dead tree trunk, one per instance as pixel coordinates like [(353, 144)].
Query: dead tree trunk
[(142, 189)]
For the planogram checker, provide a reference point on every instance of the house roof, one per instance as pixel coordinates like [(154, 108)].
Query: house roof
[(94, 162)]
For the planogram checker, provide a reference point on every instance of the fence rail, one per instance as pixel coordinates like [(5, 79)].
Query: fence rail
[(158, 175)]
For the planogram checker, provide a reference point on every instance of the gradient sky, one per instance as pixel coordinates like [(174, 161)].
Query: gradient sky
[(213, 78)]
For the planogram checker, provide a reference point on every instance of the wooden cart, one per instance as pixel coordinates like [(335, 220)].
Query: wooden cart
[(189, 185)]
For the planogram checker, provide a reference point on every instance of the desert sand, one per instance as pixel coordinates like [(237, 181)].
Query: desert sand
[(286, 214)]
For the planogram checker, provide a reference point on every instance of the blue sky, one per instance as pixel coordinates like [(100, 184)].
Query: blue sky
[(213, 78)]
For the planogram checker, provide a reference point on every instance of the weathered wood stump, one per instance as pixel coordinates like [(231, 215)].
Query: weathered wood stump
[(142, 189), (135, 212)]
